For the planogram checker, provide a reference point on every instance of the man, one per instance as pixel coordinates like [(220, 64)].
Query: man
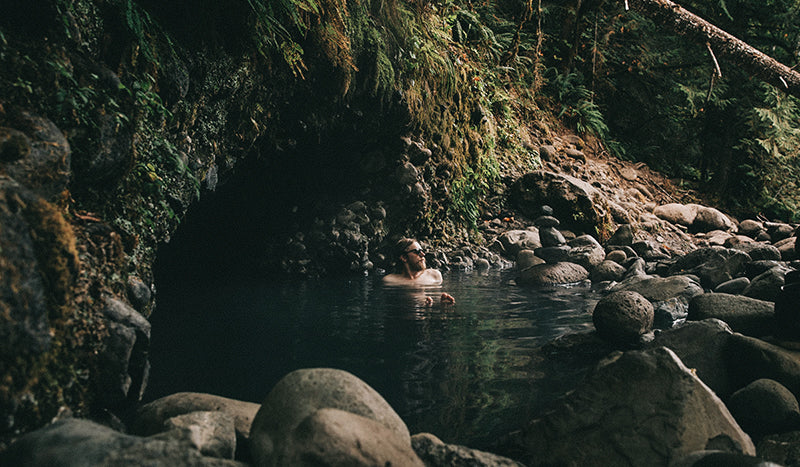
[(413, 270)]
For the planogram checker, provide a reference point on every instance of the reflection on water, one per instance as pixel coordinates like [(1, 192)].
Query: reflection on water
[(465, 372)]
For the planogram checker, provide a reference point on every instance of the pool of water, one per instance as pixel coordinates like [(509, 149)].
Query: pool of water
[(467, 372)]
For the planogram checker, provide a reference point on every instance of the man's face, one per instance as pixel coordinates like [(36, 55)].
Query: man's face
[(414, 257)]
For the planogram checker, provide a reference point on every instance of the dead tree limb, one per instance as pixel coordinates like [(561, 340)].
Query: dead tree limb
[(672, 16)]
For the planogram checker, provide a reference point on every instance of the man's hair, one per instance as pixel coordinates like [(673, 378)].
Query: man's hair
[(400, 249)]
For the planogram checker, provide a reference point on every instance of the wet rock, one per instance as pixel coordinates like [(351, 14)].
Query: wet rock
[(527, 258), (212, 433), (434, 452), (765, 406), (81, 442), (743, 314), (603, 422), (285, 413), (669, 313), (551, 274), (622, 317)]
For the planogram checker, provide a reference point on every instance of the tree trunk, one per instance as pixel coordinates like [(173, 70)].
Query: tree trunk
[(676, 18)]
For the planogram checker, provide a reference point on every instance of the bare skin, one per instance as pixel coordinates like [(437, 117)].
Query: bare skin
[(415, 272)]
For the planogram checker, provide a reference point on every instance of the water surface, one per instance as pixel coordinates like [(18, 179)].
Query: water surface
[(467, 372)]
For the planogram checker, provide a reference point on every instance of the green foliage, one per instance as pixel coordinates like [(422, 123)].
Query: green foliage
[(577, 106)]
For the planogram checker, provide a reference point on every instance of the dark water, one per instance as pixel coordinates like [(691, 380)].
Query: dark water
[(467, 373)]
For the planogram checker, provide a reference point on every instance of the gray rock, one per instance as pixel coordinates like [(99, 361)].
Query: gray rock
[(126, 364), (553, 254), (677, 213), (622, 317), (299, 395), (750, 227), (617, 256), (151, 417), (778, 230), (434, 452), (743, 314), (80, 443), (749, 359), (714, 458), (212, 433), (766, 286), (548, 152), (733, 286), (760, 251), (514, 241), (334, 437), (782, 449), (765, 406), (668, 313), (605, 421), (708, 219), (713, 265), (607, 271), (550, 236), (657, 289), (701, 345), (586, 251), (551, 274), (527, 258), (546, 221), (138, 293), (623, 236)]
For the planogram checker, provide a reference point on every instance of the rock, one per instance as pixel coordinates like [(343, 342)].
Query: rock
[(764, 407), (669, 313), (622, 317), (713, 265), (760, 251), (766, 286), (743, 314), (406, 174), (76, 442), (334, 437), (733, 286), (787, 248), (670, 414), (586, 251), (514, 241), (546, 221), (126, 363), (434, 452), (575, 199), (714, 458), (551, 274), (623, 236), (702, 346), (151, 417), (657, 289), (617, 256), (607, 271), (299, 395), (787, 313), (138, 293), (708, 219), (526, 259), (550, 236), (37, 155), (548, 152), (553, 254), (778, 230), (212, 433), (750, 227), (783, 449), (575, 154), (677, 213), (749, 359)]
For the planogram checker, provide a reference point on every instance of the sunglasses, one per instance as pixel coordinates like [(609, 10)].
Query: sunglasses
[(418, 251)]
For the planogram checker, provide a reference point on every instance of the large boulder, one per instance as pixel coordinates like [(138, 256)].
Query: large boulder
[(622, 317), (578, 204), (290, 423), (76, 442), (765, 406), (677, 213), (552, 274), (743, 314), (749, 359), (434, 452), (636, 408)]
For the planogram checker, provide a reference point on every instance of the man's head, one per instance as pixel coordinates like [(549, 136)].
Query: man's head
[(410, 255)]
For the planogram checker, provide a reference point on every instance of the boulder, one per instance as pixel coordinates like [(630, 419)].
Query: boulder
[(552, 274), (749, 359), (750, 227), (623, 236), (733, 286), (553, 254), (290, 407), (622, 317), (126, 364), (677, 213), (743, 314), (77, 442), (708, 219), (787, 248), (550, 236), (657, 289), (765, 406), (782, 449), (579, 205), (212, 433), (713, 265), (586, 251), (701, 345), (434, 452), (636, 408), (767, 285), (514, 241), (527, 258), (617, 256), (607, 271), (151, 417), (760, 251)]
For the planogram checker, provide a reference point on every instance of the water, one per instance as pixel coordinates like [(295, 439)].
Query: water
[(467, 373)]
